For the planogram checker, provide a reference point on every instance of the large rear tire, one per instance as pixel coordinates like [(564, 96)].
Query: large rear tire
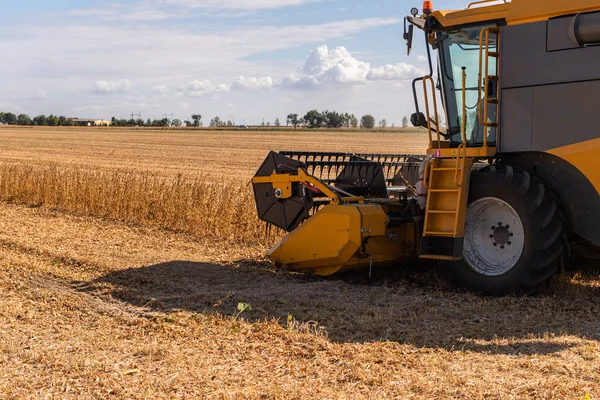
[(513, 234)]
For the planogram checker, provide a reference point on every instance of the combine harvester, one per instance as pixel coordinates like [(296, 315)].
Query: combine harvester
[(506, 191)]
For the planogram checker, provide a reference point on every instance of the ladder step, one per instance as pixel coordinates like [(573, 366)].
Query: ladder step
[(492, 101), (491, 125), (441, 211), (444, 169), (442, 234), (494, 54), (493, 78)]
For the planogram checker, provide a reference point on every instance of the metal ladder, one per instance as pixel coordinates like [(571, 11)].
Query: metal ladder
[(447, 181), (485, 55)]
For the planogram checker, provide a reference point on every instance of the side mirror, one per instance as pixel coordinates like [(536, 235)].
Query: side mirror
[(419, 120), (408, 34)]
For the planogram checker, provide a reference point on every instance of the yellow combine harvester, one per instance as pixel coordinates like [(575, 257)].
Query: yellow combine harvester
[(507, 189)]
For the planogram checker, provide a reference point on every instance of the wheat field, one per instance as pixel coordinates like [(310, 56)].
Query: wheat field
[(125, 255)]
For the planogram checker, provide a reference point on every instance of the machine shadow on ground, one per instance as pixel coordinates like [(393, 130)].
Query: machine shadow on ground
[(411, 305)]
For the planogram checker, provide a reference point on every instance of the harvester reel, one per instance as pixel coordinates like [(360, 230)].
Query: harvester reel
[(362, 177)]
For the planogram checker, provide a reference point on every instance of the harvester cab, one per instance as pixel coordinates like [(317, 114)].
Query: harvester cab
[(510, 184)]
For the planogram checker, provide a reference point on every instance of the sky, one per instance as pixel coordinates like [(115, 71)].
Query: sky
[(247, 61)]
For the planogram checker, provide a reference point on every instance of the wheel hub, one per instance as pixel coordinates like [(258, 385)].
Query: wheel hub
[(495, 251)]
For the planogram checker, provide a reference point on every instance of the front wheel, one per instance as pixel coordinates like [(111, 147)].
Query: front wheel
[(513, 234)]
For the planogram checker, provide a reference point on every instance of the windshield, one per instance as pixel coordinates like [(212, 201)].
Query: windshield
[(460, 50)]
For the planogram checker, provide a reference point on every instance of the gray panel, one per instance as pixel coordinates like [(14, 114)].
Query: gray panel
[(517, 120), (525, 61), (558, 34), (565, 114)]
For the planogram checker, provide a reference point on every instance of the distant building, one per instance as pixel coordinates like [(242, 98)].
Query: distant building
[(91, 122)]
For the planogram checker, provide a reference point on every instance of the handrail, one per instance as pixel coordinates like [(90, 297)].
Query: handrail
[(462, 148), (464, 107), (435, 121), (485, 1), (425, 173)]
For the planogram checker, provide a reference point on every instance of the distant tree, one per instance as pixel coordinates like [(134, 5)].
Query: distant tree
[(139, 122), (314, 119), (405, 122), (52, 120), (197, 118), (367, 122), (23, 119), (40, 120), (268, 123), (2, 116), (9, 119), (62, 120), (188, 123), (216, 122), (353, 121), (229, 123), (176, 123), (148, 122), (293, 120), (277, 123), (383, 123), (333, 119)]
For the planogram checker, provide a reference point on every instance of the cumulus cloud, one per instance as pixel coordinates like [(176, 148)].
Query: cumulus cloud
[(160, 89), (252, 84), (323, 67), (396, 72), (202, 87), (107, 87), (338, 66)]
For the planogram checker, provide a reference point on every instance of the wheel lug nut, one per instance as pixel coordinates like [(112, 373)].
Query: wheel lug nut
[(499, 223), (493, 228), (495, 244), (491, 236), (509, 243), (507, 226), (512, 235), (502, 247)]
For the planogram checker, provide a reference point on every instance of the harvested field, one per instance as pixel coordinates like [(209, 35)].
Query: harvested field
[(115, 300)]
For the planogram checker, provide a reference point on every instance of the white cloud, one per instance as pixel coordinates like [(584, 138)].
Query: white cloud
[(116, 86), (160, 89), (252, 84), (199, 88), (338, 66), (400, 71)]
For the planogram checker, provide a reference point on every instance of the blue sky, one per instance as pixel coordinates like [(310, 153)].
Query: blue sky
[(240, 59)]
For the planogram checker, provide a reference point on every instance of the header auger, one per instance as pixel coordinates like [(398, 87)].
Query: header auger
[(510, 184)]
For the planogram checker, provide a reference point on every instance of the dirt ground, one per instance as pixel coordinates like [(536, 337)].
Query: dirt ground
[(92, 308)]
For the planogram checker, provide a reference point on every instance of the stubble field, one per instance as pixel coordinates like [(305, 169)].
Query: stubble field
[(125, 253)]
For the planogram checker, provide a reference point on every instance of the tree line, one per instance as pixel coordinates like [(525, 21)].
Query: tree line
[(313, 119), (9, 118)]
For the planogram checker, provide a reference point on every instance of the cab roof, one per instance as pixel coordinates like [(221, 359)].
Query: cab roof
[(515, 12)]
